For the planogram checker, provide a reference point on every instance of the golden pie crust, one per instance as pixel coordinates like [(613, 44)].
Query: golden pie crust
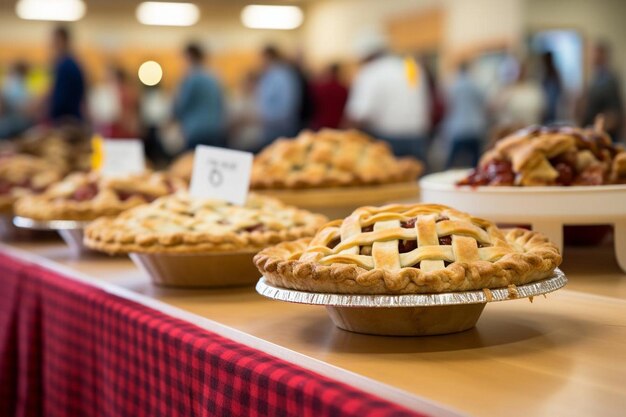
[(330, 158), (180, 224), (182, 167), (87, 196), (22, 175), (543, 156), (409, 249)]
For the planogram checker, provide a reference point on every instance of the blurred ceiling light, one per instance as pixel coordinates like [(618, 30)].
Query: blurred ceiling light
[(150, 73), (162, 13), (271, 17), (56, 10)]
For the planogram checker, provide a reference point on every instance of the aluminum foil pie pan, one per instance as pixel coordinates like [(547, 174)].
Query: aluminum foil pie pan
[(8, 231), (412, 314), (71, 231), (212, 270)]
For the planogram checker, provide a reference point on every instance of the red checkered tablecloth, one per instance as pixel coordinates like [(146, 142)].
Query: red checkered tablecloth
[(70, 349)]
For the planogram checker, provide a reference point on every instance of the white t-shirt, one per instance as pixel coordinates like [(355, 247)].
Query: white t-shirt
[(382, 97)]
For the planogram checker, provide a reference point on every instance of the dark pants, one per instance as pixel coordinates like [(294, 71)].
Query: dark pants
[(461, 147), (410, 146)]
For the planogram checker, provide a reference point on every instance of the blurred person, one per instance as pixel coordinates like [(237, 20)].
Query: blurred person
[(552, 87), (278, 97), (306, 98), (104, 104), (437, 103), (329, 96), (604, 94), (127, 124), (521, 103), (68, 85), (16, 102), (385, 102), (465, 124), (245, 130), (199, 104), (161, 143)]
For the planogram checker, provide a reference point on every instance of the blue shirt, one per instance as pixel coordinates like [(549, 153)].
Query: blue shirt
[(199, 107), (68, 89), (466, 110), (278, 101)]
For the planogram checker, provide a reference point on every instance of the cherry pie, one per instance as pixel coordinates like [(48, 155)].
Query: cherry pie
[(551, 156), (180, 224), (86, 196), (405, 249)]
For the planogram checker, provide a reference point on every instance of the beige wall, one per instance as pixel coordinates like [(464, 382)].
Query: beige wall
[(598, 19), (113, 34), (332, 25)]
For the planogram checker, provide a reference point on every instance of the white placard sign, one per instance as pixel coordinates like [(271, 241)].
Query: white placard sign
[(221, 174), (122, 157)]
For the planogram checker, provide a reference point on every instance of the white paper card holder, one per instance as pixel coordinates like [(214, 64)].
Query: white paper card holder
[(122, 157), (221, 174)]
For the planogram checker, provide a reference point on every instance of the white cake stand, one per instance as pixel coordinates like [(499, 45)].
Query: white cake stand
[(546, 209)]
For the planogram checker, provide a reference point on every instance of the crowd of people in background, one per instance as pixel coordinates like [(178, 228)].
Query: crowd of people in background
[(395, 98)]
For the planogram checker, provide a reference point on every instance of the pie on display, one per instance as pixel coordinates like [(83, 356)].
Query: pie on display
[(409, 249), (544, 156), (330, 158), (22, 175), (87, 196), (67, 147), (180, 224)]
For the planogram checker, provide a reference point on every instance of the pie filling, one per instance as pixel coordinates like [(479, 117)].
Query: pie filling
[(585, 161)]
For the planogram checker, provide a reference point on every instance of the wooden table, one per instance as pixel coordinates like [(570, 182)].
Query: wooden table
[(560, 355)]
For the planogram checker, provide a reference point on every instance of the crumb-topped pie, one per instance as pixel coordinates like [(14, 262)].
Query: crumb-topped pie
[(330, 158), (551, 156), (22, 175), (180, 224), (407, 249), (87, 196)]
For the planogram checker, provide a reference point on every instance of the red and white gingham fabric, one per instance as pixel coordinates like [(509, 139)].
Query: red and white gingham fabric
[(69, 349)]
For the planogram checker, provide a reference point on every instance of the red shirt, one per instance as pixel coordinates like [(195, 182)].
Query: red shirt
[(329, 99)]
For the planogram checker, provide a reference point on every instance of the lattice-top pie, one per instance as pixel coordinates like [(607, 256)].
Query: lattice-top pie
[(87, 196), (403, 249), (182, 224), (22, 175), (330, 158), (552, 156)]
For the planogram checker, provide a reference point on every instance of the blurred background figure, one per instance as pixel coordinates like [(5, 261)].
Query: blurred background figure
[(521, 103), (552, 87), (245, 130), (465, 124), (436, 102), (16, 102), (304, 87), (329, 96), (199, 104), (279, 97), (68, 85), (163, 138), (604, 94), (127, 124), (385, 102), (104, 104)]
